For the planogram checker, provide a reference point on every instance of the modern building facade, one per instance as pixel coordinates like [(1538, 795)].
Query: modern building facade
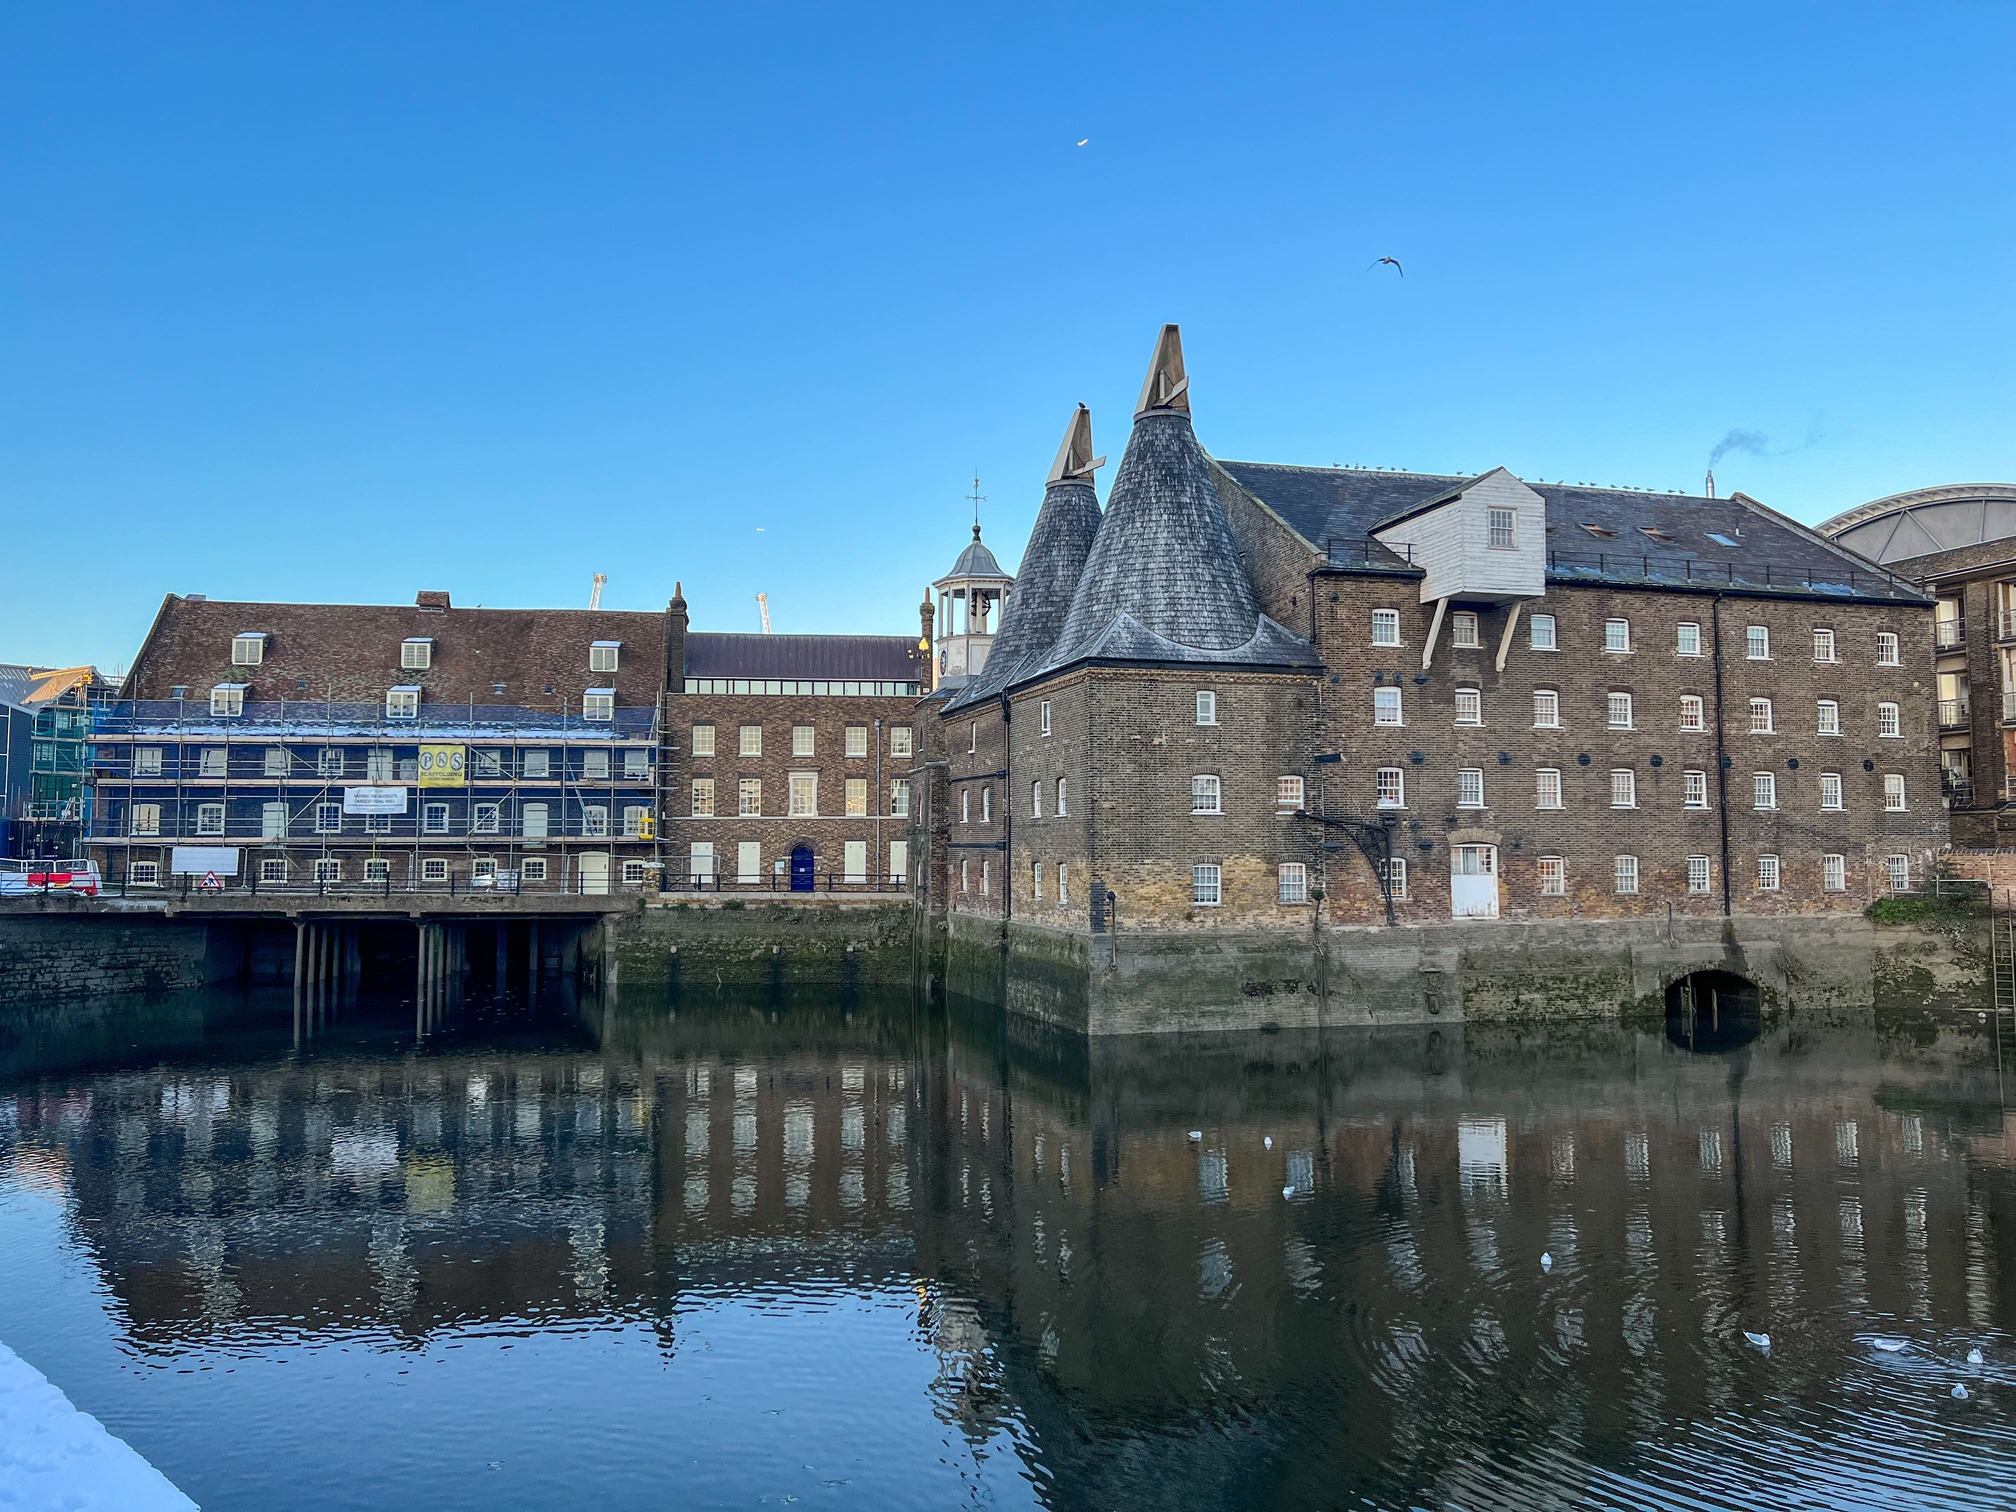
[(1251, 697), (47, 796), (1958, 542)]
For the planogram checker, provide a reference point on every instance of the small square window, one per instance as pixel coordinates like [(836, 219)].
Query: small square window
[(147, 761), (1293, 882), (1463, 630), (532, 869), (434, 819), (487, 818), (402, 703), (598, 704), (1204, 886), (1385, 627), (1540, 633), (603, 656), (703, 740), (143, 874), (434, 869), (1288, 792), (1207, 708), (248, 650), (330, 869), (329, 762), (416, 655), (210, 761), (1205, 795), (1553, 877), (209, 818), (272, 869), (227, 700), (536, 763)]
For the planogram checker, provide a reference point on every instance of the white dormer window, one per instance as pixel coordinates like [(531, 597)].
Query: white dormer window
[(227, 700), (603, 656), (249, 649), (402, 703), (416, 654), (599, 704), (1503, 527)]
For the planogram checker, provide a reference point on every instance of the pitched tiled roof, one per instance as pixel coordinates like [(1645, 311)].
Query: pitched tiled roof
[(349, 653), (847, 658), (1655, 539), (1163, 582), (1059, 543)]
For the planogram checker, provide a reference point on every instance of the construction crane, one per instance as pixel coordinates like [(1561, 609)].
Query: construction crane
[(595, 593), (763, 608)]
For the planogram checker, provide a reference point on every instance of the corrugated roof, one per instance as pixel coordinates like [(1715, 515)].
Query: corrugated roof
[(1657, 539), (848, 658)]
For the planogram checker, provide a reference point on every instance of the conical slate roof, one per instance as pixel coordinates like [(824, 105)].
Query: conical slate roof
[(1163, 583), (1058, 545)]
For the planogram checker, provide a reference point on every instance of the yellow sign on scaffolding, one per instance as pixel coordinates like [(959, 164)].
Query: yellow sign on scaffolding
[(442, 765)]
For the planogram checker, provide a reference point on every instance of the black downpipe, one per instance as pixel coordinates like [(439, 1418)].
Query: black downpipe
[(1721, 754)]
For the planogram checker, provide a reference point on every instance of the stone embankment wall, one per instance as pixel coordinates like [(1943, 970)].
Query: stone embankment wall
[(51, 951), (1504, 971), (730, 943)]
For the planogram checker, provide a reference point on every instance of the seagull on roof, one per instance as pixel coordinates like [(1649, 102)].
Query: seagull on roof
[(1384, 260)]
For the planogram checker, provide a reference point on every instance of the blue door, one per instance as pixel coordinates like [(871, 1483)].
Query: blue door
[(801, 868)]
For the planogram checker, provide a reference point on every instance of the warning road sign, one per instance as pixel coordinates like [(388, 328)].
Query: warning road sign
[(210, 883)]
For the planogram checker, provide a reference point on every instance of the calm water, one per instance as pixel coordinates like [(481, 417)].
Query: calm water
[(845, 1254)]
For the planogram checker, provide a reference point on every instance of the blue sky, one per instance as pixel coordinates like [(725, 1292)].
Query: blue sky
[(340, 302)]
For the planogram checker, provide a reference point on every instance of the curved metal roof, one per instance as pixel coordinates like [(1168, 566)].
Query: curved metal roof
[(1926, 520)]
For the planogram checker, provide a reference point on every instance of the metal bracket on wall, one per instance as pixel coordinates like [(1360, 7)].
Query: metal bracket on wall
[(1374, 839)]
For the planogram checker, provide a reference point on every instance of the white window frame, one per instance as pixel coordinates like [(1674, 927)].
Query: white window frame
[(1897, 873), (328, 869), (1617, 637), (1694, 790), (328, 818), (1546, 709), (595, 820), (248, 650), (434, 869), (434, 818), (532, 869), (1388, 708), (1207, 707), (1764, 791), (213, 761), (1693, 714), (1825, 650), (1763, 717), (1386, 627), (1291, 882), (1687, 638), (748, 797), (636, 764), (402, 703), (605, 656), (806, 783), (1553, 873), (1501, 528), (1043, 718), (854, 797), (147, 761), (854, 741), (143, 874), (210, 818), (1757, 643), (595, 764), (1833, 872), (1624, 793), (1396, 878), (635, 816), (804, 740), (486, 819), (1832, 792), (902, 741), (1700, 874), (227, 701), (1463, 630), (1770, 872), (598, 705), (703, 740), (416, 654), (1391, 780), (1063, 797), (1470, 706), (1827, 717), (1543, 633), (1207, 885), (1620, 711), (749, 740), (899, 798), (1290, 793), (1207, 794), (1547, 788), (330, 762), (702, 798), (146, 819), (1889, 721), (1470, 787), (1895, 800), (1889, 649), (272, 869), (1624, 876)]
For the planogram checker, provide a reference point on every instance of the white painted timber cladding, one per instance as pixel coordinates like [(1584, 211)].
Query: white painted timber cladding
[(1452, 543)]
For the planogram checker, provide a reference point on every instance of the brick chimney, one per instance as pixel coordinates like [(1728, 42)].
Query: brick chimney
[(675, 640)]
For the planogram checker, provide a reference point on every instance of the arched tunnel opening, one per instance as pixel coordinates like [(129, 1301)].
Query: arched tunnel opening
[(1707, 1011)]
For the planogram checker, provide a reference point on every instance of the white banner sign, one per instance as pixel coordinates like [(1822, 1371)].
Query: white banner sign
[(374, 800), (200, 860)]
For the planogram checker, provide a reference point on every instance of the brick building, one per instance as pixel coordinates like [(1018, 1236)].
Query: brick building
[(1958, 542), (788, 757), (1249, 691), (344, 745)]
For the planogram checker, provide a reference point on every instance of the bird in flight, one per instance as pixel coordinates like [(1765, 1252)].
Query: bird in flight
[(1083, 140), (1393, 260)]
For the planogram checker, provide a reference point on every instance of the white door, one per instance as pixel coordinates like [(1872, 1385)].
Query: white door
[(899, 863), (700, 862), (749, 861), (534, 816), (593, 870), (1473, 882), (854, 857)]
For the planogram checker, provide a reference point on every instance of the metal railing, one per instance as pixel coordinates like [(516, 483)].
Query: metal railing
[(784, 882), (1949, 635), (311, 718), (1952, 713), (1958, 790), (454, 885), (1664, 568)]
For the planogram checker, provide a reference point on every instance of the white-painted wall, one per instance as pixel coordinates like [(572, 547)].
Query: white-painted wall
[(1451, 543)]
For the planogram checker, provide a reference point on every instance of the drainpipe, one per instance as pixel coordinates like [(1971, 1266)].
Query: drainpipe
[(1721, 753), (1007, 822)]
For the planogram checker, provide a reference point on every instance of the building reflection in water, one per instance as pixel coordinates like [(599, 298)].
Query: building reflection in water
[(1335, 1289)]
